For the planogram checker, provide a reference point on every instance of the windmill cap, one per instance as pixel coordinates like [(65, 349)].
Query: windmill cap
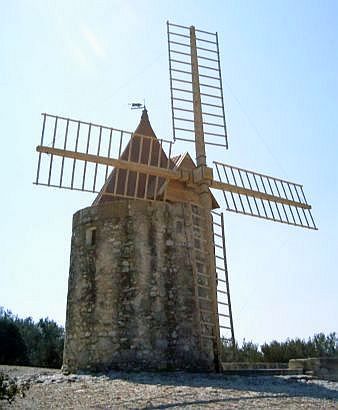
[(144, 127)]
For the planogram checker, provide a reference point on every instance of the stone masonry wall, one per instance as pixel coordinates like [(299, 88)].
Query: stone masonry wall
[(131, 301)]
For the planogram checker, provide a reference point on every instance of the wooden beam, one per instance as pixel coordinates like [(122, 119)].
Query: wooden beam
[(198, 118), (256, 194), (117, 163)]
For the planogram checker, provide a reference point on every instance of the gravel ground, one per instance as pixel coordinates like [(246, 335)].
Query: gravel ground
[(120, 390)]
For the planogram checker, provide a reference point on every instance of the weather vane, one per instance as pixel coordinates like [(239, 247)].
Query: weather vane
[(137, 106)]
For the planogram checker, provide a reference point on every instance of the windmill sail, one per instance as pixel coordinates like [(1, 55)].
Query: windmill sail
[(84, 156), (185, 43), (251, 193)]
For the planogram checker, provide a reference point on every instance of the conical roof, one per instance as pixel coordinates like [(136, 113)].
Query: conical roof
[(144, 127), (143, 147)]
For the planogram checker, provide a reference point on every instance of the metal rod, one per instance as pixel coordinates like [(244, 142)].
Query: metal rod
[(300, 219), (212, 115), (213, 124), (98, 153), (272, 192), (109, 148), (41, 143), (64, 147), (76, 145), (251, 189), (232, 195), (268, 201), (211, 96), (180, 52), (205, 32), (210, 86), (182, 99), (182, 109), (177, 34), (182, 89), (214, 134), (171, 89), (222, 97), (85, 163), (172, 60), (205, 41), (285, 213), (299, 199), (206, 49), (301, 188), (184, 129), (176, 70), (179, 44), (314, 225), (176, 25), (227, 281), (128, 172), (240, 198), (208, 68), (149, 162), (212, 105), (53, 144), (158, 164), (181, 81), (209, 76), (289, 205), (254, 177), (247, 198), (183, 119), (207, 58), (169, 155), (117, 175)]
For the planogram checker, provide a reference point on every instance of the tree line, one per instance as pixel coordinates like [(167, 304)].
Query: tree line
[(320, 345), (40, 344), (29, 343)]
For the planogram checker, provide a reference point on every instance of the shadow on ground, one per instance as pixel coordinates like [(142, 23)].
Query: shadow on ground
[(264, 386)]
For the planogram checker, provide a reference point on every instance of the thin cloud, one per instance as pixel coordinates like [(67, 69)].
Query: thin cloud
[(93, 42)]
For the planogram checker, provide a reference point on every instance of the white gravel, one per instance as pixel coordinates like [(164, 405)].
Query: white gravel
[(121, 390)]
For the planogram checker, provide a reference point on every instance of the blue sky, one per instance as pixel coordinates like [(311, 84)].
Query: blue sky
[(89, 59)]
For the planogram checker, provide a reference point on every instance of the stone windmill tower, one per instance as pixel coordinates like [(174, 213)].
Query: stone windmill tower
[(148, 284)]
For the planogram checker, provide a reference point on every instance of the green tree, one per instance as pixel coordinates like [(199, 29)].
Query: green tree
[(12, 346), (22, 341)]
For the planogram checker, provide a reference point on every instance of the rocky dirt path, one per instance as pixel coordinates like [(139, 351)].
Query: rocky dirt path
[(120, 390)]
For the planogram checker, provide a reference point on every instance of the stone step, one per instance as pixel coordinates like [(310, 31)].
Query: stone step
[(262, 372)]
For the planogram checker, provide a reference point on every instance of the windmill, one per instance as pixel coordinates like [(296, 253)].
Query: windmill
[(124, 169)]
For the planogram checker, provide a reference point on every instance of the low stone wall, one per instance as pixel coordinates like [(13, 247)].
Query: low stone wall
[(250, 365), (322, 367)]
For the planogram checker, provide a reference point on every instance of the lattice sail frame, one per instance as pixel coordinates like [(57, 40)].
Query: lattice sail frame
[(263, 196), (83, 156), (181, 45)]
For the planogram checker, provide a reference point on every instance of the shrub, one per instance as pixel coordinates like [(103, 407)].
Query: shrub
[(318, 346), (9, 388)]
